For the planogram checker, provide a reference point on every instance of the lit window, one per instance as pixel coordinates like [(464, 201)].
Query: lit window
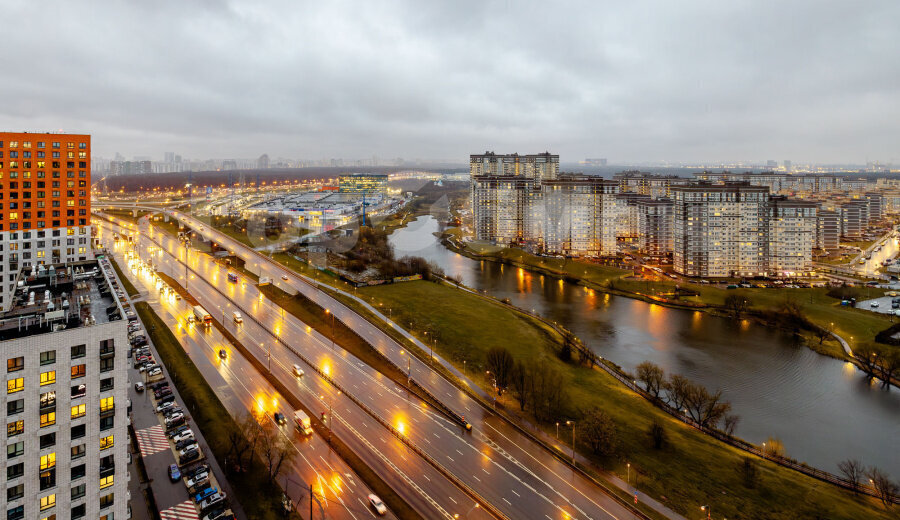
[(78, 411), (48, 419), (105, 482), (48, 501), (106, 442), (106, 404), (48, 461), (15, 385), (15, 428), (48, 378)]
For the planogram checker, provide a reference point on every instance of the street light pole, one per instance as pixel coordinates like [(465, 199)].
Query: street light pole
[(572, 424), (708, 511)]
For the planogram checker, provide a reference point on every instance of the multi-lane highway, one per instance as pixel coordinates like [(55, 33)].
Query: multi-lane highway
[(506, 467)]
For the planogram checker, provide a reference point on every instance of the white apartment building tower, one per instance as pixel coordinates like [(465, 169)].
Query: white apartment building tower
[(577, 214), (792, 235), (65, 340)]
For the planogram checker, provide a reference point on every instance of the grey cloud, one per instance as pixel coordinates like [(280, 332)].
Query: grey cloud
[(638, 81)]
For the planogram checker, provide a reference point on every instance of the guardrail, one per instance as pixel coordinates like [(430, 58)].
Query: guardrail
[(488, 506)]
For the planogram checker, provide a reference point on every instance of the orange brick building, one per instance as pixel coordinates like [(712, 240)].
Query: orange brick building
[(45, 202)]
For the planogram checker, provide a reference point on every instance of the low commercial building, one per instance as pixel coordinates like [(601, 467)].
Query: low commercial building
[(65, 339)]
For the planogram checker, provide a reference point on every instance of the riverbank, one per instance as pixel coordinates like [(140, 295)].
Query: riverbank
[(857, 326)]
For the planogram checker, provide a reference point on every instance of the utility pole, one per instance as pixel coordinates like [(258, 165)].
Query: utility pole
[(310, 500)]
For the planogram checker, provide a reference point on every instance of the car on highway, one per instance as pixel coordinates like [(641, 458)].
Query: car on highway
[(174, 473), (284, 277), (377, 505), (139, 387), (236, 316), (298, 371), (280, 419), (198, 478)]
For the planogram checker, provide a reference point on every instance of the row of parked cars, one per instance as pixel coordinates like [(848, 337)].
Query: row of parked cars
[(196, 475)]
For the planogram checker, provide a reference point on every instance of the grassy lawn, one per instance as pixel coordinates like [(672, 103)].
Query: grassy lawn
[(862, 244), (258, 498), (691, 471), (126, 283)]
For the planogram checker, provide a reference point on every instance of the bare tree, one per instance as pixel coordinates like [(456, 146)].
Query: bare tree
[(243, 440), (730, 423), (521, 384), (658, 435), (774, 447), (884, 486), (500, 363), (705, 408), (652, 376), (275, 448), (737, 304), (853, 471), (677, 389), (599, 431), (547, 389)]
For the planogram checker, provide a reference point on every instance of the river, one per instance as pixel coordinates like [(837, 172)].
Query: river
[(823, 409)]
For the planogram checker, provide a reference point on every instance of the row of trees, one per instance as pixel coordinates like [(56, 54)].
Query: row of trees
[(706, 408), (854, 471), (879, 361), (257, 438)]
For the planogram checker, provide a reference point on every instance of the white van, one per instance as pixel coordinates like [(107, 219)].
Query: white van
[(236, 316), (298, 371)]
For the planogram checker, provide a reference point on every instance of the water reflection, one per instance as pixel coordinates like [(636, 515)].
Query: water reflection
[(823, 409)]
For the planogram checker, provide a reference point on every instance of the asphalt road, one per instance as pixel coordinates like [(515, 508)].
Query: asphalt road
[(507, 468), (241, 387)]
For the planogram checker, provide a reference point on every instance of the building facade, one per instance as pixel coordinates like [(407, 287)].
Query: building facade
[(45, 202), (655, 226), (66, 396), (792, 226), (828, 229), (363, 183)]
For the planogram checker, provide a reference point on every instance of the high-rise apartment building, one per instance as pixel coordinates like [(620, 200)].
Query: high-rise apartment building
[(45, 202), (719, 229), (655, 226), (791, 234), (828, 229), (578, 215), (535, 167), (64, 339), (501, 203)]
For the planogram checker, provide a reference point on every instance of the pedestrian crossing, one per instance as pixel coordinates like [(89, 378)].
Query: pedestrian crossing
[(182, 511), (152, 440)]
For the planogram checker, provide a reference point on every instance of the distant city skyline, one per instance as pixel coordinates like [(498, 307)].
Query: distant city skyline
[(812, 82)]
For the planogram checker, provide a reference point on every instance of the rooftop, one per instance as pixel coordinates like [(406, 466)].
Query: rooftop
[(50, 298)]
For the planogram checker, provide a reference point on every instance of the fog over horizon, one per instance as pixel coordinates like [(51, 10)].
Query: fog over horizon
[(807, 81)]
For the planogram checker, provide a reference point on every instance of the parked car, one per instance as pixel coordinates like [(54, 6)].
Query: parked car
[(165, 405), (207, 503), (139, 387), (175, 431), (377, 505), (187, 433), (172, 411), (154, 372), (873, 305), (174, 473), (175, 420), (196, 470), (198, 478), (157, 386), (185, 444), (218, 513), (189, 456)]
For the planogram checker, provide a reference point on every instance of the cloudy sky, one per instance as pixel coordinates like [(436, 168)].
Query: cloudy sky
[(631, 81)]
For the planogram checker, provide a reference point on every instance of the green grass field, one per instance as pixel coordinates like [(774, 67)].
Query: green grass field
[(692, 471)]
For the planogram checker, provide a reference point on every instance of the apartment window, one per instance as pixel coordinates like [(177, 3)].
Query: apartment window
[(78, 451), (78, 511), (14, 450), (48, 378), (16, 492), (47, 479), (78, 432), (105, 482), (16, 513), (107, 404), (14, 407), (48, 401), (78, 491), (78, 391), (48, 501), (77, 371), (106, 442), (15, 428), (48, 440), (48, 419), (15, 364), (78, 471), (106, 384), (48, 357), (79, 351), (107, 346), (107, 423), (15, 385), (79, 410), (15, 471), (51, 517), (106, 501)]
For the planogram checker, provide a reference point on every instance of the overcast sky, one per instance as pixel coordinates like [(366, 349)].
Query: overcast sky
[(630, 81)]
